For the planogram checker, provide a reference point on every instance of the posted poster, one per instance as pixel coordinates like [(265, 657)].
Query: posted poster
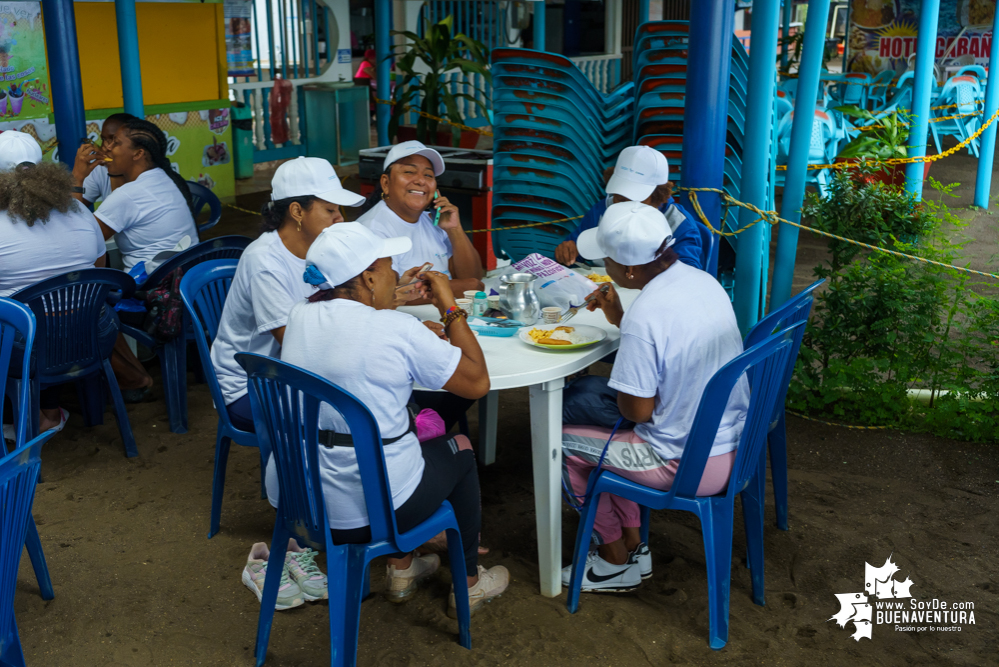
[(239, 52), (24, 87), (883, 33), (199, 144)]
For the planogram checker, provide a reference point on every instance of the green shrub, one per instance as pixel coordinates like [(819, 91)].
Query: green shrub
[(884, 325)]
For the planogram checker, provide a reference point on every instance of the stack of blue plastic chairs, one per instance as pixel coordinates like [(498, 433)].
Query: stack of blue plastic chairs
[(660, 65), (554, 135)]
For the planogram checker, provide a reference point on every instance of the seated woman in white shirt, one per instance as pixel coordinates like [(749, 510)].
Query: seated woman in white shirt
[(678, 332), (306, 197), (408, 208), (349, 333), (99, 184), (151, 211), (44, 232)]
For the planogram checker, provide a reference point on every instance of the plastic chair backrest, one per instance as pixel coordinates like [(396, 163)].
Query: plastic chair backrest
[(200, 195), (975, 70), (67, 308), (16, 318), (765, 366), (203, 290), (18, 481), (285, 401), (224, 247)]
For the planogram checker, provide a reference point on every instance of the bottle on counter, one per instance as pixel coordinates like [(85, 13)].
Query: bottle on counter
[(480, 304)]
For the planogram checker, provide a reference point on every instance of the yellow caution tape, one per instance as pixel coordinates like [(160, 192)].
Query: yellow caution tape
[(822, 421)]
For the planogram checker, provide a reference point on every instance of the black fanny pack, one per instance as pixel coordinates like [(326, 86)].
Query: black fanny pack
[(334, 439)]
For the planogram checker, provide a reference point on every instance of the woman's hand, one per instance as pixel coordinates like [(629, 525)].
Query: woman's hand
[(406, 292), (566, 253), (88, 156), (609, 302), (449, 214), (439, 288), (437, 328)]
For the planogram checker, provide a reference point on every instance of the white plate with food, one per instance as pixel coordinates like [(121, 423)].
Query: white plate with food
[(561, 337)]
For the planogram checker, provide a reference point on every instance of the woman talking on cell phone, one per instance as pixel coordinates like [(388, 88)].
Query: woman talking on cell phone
[(410, 206)]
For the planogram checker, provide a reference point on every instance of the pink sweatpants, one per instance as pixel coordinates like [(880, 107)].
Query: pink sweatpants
[(632, 458)]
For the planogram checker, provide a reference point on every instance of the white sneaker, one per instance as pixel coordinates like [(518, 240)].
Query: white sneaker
[(491, 584), (603, 577), (400, 585), (289, 594), (643, 557)]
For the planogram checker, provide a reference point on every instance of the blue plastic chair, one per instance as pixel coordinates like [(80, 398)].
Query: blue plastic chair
[(200, 197), (796, 309), (173, 354), (67, 308), (766, 366), (877, 93), (18, 473), (285, 402), (204, 290), (965, 92), (16, 319)]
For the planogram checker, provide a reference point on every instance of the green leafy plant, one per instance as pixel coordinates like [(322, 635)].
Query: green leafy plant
[(885, 141), (440, 53), (793, 44), (894, 341)]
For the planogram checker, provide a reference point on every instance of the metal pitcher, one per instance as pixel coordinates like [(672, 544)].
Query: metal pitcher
[(517, 297)]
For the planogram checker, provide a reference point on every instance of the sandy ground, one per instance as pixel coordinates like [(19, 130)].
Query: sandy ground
[(137, 583)]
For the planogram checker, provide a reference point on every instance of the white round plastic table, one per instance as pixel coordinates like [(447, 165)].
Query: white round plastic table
[(512, 364)]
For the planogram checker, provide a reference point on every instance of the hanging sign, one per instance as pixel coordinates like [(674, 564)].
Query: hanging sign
[(239, 52), (24, 79)]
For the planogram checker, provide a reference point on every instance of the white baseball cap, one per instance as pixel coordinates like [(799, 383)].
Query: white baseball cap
[(630, 233), (345, 250), (407, 148), (311, 176), (17, 147), (639, 170)]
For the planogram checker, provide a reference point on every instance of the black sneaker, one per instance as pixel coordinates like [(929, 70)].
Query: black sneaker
[(643, 557)]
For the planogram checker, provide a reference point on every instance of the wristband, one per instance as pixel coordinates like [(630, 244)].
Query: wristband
[(77, 189)]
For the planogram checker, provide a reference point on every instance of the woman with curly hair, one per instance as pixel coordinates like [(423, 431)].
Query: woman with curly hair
[(151, 211), (641, 175), (44, 232)]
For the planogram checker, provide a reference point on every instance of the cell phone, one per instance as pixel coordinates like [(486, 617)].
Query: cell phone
[(423, 269)]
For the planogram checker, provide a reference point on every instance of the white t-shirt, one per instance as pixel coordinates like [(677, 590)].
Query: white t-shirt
[(268, 282), (149, 215), (67, 242), (97, 186), (376, 355), (430, 244), (678, 332)]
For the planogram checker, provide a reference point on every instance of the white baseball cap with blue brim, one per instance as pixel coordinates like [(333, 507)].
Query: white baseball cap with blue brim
[(407, 148), (630, 233), (343, 251)]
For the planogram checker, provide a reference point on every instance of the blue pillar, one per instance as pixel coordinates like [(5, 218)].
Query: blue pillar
[(539, 25), (643, 11), (786, 32), (922, 89), (64, 75), (128, 53), (383, 49), (797, 161), (983, 182), (706, 105), (755, 162)]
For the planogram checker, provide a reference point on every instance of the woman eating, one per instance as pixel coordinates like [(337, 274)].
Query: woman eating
[(151, 211), (641, 175), (678, 332), (411, 207), (380, 354), (44, 232), (306, 198), (99, 183)]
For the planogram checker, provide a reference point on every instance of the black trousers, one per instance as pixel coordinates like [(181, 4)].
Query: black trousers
[(449, 406), (448, 474)]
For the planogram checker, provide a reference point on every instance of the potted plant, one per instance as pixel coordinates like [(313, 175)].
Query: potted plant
[(440, 53), (885, 140)]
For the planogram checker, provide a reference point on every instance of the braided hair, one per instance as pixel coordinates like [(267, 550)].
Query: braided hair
[(148, 137)]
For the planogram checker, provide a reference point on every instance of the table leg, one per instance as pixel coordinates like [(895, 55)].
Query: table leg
[(546, 445), (488, 409)]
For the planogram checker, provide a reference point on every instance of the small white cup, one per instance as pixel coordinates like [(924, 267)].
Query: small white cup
[(551, 314), (470, 294), (464, 304)]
